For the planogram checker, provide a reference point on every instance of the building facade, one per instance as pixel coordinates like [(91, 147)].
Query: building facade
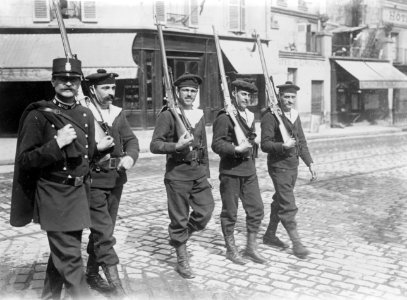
[(121, 36)]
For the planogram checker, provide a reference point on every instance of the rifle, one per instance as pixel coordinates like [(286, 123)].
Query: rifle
[(172, 105), (271, 93), (101, 130), (229, 107)]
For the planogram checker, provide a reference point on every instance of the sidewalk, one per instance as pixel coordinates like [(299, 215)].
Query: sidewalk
[(8, 145)]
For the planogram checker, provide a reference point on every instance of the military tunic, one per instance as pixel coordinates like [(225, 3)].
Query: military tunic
[(106, 190), (237, 174), (185, 178), (283, 164)]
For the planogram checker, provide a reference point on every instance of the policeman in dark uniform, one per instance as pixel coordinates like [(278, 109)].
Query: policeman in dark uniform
[(282, 161), (52, 178), (237, 173), (187, 170), (108, 177)]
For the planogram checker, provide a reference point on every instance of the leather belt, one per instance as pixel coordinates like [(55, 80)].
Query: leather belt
[(110, 163), (73, 181)]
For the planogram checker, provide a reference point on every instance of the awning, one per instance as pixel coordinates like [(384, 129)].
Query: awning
[(28, 57), (374, 75), (348, 29), (241, 56)]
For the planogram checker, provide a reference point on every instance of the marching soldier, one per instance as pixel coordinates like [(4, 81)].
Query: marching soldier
[(52, 178), (237, 174), (187, 170), (283, 161), (108, 177)]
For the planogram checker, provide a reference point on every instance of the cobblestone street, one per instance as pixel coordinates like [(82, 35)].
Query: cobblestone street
[(353, 220)]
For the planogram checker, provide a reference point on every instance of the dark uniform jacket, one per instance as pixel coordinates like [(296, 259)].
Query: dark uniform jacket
[(185, 165), (272, 142), (39, 160), (224, 142), (126, 143)]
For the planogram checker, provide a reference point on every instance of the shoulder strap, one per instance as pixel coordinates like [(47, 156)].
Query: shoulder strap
[(60, 113)]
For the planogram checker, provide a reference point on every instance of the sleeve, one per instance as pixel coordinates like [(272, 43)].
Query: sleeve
[(33, 151), (159, 144), (128, 139), (222, 139), (304, 151), (269, 143)]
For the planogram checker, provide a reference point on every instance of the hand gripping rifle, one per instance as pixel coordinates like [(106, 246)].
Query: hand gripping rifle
[(229, 107), (272, 94), (172, 105)]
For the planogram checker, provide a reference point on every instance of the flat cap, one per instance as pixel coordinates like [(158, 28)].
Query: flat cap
[(288, 87), (102, 77), (68, 67), (244, 85), (188, 79)]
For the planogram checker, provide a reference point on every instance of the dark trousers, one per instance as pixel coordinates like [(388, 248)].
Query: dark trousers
[(283, 206), (65, 266), (104, 206), (181, 195), (247, 189)]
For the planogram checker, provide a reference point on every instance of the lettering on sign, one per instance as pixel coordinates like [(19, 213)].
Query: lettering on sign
[(395, 16)]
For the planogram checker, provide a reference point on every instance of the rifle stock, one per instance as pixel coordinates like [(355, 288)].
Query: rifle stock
[(171, 103), (271, 93), (229, 107)]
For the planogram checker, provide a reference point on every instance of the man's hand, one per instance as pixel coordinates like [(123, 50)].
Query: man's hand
[(105, 143), (313, 172), (126, 162), (184, 141), (289, 144), (65, 135), (243, 147)]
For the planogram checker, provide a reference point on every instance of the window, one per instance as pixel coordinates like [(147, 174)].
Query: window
[(237, 17), (84, 10), (182, 13), (292, 75)]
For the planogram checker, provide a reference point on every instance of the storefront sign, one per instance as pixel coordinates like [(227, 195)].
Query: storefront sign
[(395, 16), (374, 85)]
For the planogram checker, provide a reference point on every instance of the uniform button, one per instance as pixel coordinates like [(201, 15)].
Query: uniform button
[(86, 146), (64, 168), (86, 135), (55, 136), (86, 125), (86, 156), (52, 125), (84, 114)]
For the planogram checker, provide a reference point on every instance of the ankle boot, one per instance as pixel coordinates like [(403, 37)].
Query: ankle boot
[(112, 276), (270, 237), (183, 267), (94, 280), (232, 252), (299, 249), (251, 249)]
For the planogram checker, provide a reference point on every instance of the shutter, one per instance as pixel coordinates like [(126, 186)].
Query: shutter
[(88, 11), (160, 11), (301, 42), (234, 13), (41, 11), (193, 15), (242, 15)]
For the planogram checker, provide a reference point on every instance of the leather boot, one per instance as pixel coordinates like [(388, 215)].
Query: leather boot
[(270, 238), (112, 276), (299, 249), (183, 267), (94, 280), (232, 252), (251, 249)]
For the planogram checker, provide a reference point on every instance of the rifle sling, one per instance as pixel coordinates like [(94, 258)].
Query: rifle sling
[(60, 113)]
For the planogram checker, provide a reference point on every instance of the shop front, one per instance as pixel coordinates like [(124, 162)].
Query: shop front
[(364, 90)]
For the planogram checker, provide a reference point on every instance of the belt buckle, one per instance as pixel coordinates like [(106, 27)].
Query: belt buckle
[(113, 163), (78, 181)]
